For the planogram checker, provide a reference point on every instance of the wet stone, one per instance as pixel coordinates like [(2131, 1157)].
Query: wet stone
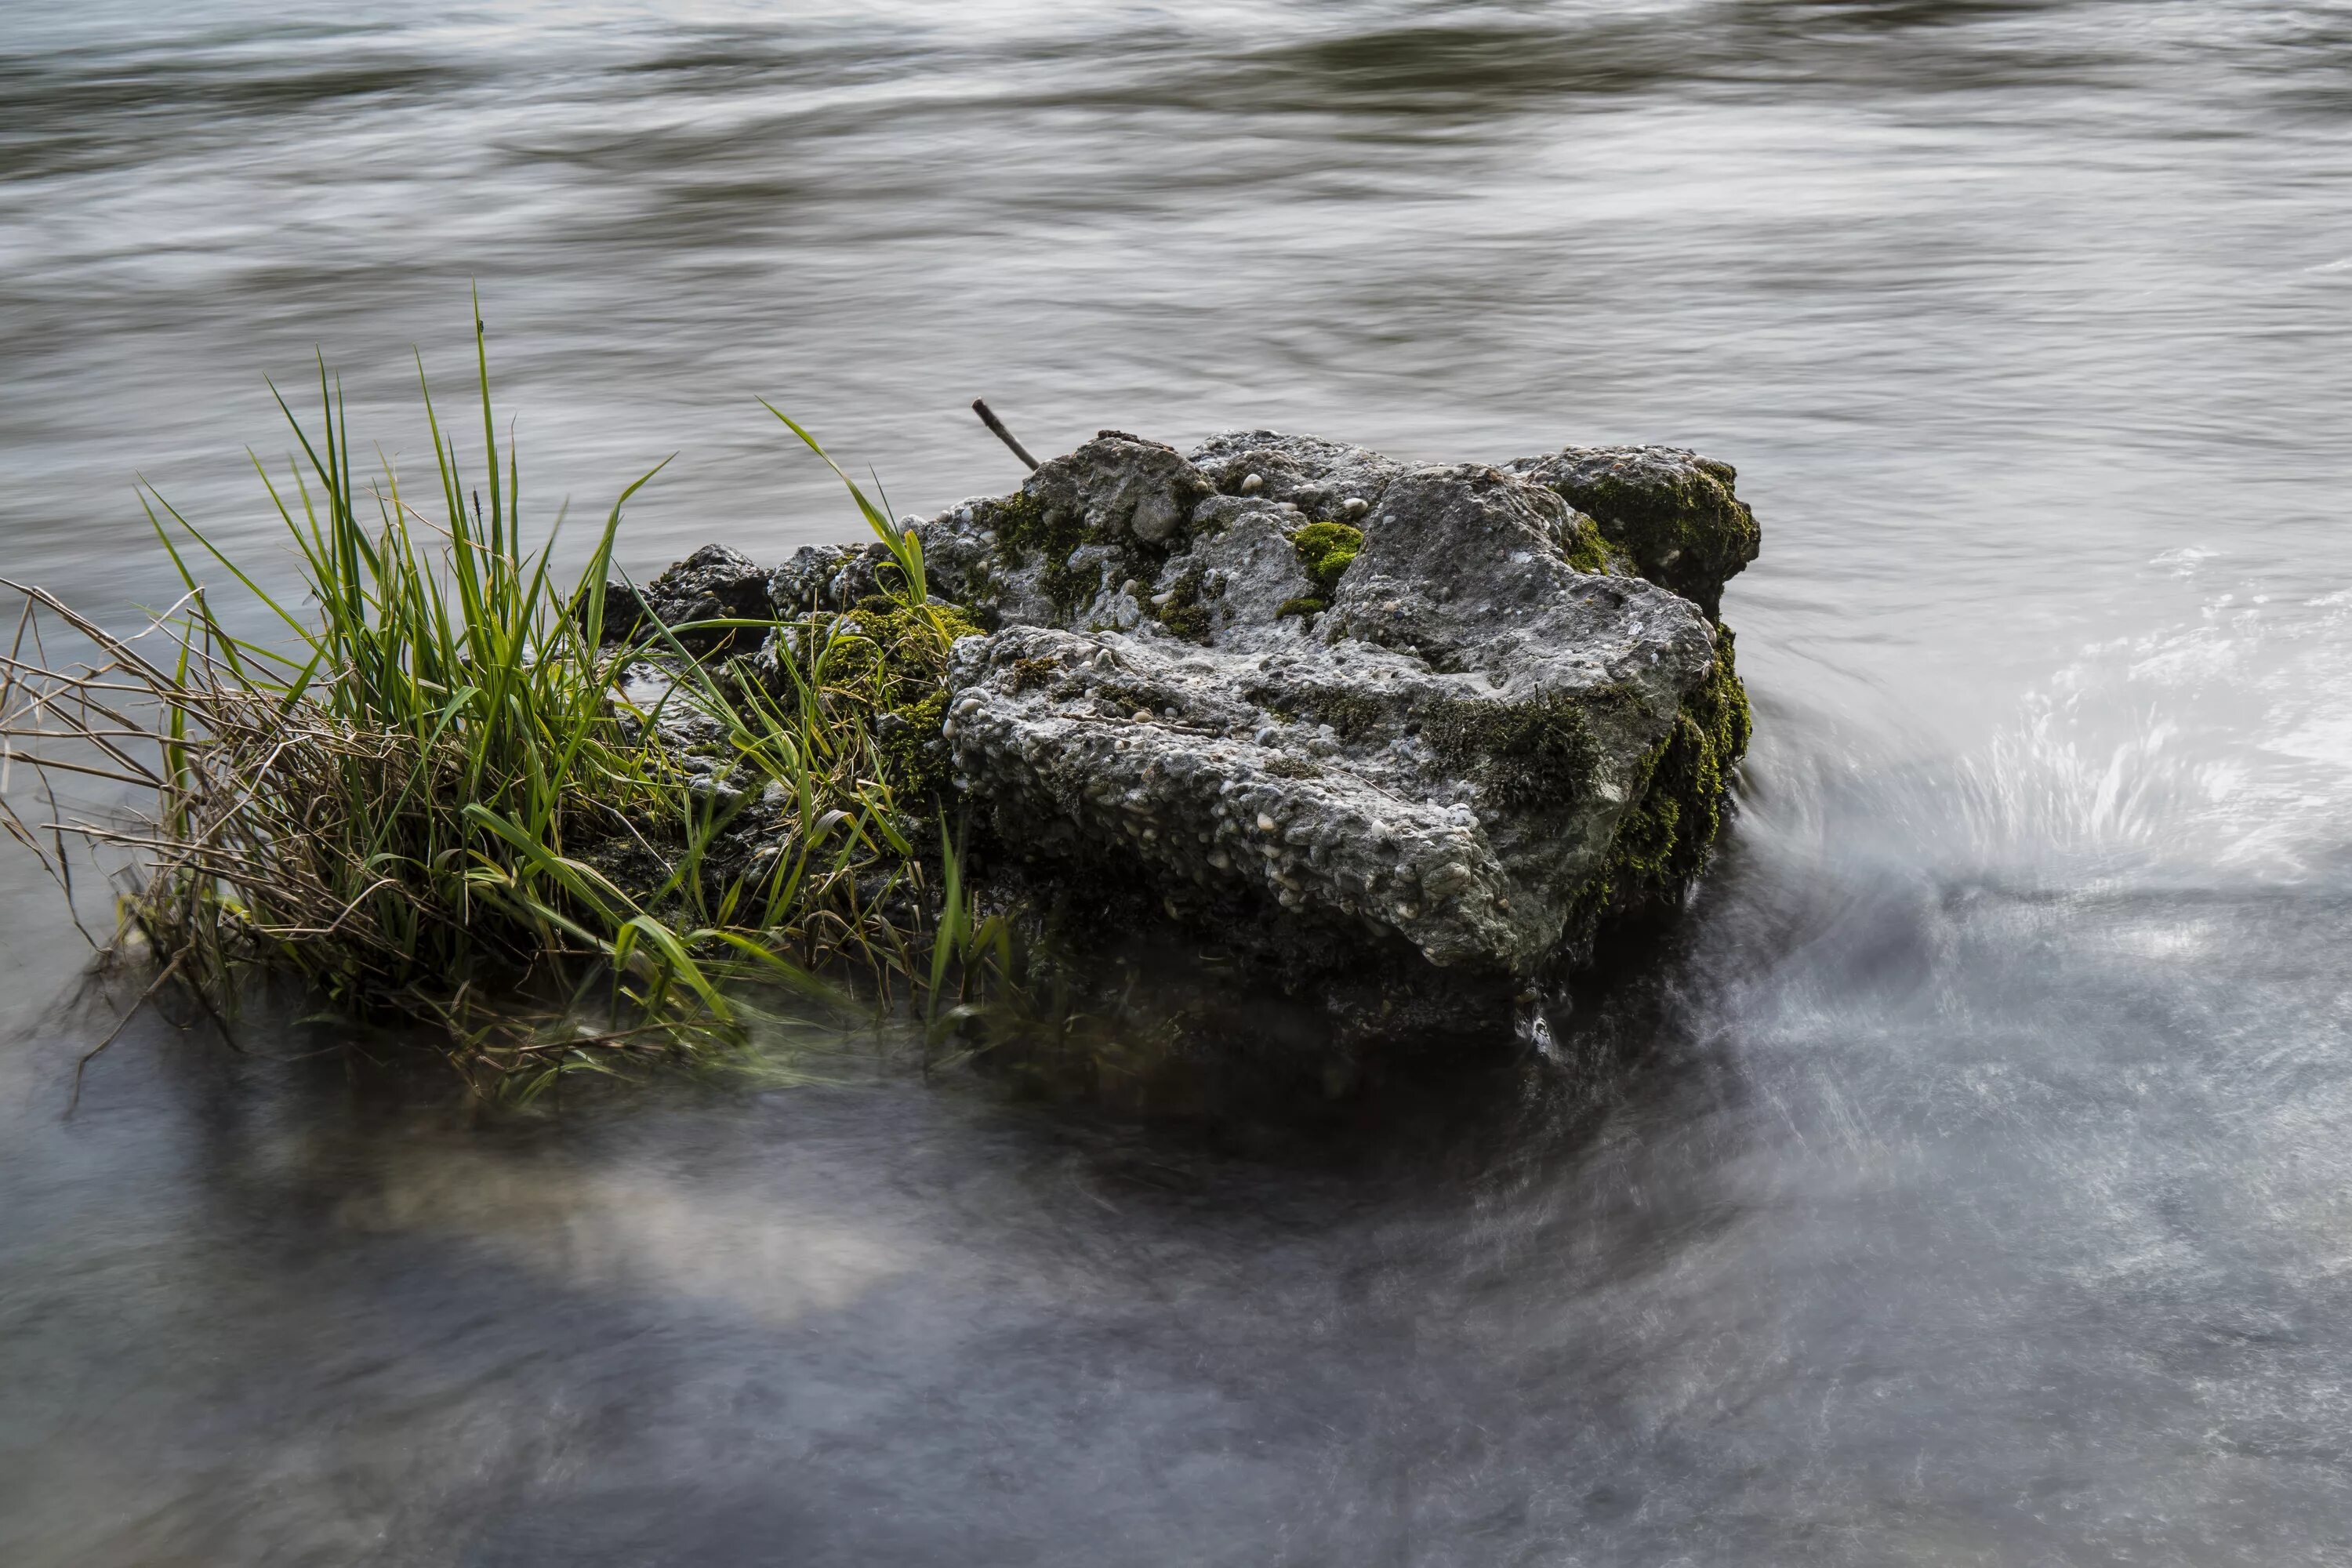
[(1428, 709)]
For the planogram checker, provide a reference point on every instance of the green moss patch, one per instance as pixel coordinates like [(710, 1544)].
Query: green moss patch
[(1184, 614), (1024, 528), (1019, 523), (1686, 532), (1031, 673), (1588, 550), (1325, 549), (1350, 714), (885, 668)]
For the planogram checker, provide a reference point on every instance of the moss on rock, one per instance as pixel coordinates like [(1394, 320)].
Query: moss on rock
[(1538, 752), (1025, 527), (1682, 791), (1672, 512), (1327, 549), (1184, 614), (885, 670), (1590, 549), (1352, 714)]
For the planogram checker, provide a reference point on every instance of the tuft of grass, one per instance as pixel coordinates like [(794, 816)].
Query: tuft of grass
[(426, 794)]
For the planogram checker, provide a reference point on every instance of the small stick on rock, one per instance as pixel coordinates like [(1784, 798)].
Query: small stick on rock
[(988, 418)]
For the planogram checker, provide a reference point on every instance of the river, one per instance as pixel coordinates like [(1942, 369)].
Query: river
[(1969, 1183)]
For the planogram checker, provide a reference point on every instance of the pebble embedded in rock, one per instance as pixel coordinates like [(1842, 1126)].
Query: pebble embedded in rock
[(1252, 484)]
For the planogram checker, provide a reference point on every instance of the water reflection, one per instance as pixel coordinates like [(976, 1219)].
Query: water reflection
[(1912, 1204)]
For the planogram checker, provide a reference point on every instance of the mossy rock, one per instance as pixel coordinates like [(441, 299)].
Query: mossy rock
[(1590, 549), (1184, 614), (1683, 792), (886, 672), (1026, 530), (1114, 509), (1352, 714), (1672, 511)]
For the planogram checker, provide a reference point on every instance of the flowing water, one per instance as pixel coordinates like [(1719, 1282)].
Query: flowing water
[(1969, 1184)]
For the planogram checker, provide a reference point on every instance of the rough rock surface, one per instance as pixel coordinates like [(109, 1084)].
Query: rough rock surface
[(1442, 743), (713, 584), (1292, 685), (1671, 510)]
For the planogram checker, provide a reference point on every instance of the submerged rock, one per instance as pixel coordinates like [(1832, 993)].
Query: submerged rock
[(1322, 701)]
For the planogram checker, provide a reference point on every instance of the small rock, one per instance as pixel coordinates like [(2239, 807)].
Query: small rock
[(711, 585)]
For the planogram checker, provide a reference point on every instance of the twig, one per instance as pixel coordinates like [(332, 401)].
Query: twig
[(988, 418)]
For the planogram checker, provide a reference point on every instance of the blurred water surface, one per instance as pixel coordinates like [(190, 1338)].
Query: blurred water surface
[(1969, 1184)]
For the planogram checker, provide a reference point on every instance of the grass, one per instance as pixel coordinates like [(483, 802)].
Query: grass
[(423, 795)]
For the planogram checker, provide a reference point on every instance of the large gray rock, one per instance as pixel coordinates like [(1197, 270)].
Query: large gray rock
[(1291, 686), (1440, 742)]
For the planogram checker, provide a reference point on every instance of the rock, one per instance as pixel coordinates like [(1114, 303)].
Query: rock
[(1356, 710), (713, 584), (1318, 477), (1118, 486), (1076, 543), (828, 577), (1671, 510), (1456, 727)]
